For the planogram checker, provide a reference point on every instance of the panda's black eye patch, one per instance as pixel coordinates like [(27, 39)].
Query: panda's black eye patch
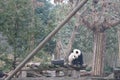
[(77, 52)]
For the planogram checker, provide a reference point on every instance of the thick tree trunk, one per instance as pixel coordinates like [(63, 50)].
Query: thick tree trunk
[(98, 58), (118, 62)]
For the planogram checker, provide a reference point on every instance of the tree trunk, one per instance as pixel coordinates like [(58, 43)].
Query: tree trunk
[(72, 38), (57, 50), (31, 47), (98, 58), (73, 35), (118, 62)]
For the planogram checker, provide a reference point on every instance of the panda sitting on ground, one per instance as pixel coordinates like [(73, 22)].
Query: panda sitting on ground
[(76, 58)]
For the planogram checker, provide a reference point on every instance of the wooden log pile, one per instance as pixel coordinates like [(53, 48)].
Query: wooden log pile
[(43, 69)]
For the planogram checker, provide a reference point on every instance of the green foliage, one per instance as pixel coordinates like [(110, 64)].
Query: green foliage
[(7, 66), (108, 69), (16, 19), (16, 24), (84, 39), (112, 41), (44, 11)]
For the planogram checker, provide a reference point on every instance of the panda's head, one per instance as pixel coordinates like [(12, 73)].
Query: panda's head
[(76, 52), (72, 56)]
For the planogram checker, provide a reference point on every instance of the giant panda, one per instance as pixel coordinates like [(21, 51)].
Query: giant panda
[(78, 57)]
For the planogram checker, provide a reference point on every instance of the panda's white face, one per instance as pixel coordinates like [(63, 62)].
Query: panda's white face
[(72, 56), (76, 52)]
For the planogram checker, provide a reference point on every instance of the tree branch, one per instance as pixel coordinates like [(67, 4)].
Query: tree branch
[(115, 24), (109, 25), (88, 25)]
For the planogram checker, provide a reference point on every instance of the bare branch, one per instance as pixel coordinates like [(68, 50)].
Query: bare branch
[(79, 16), (109, 25), (115, 24)]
